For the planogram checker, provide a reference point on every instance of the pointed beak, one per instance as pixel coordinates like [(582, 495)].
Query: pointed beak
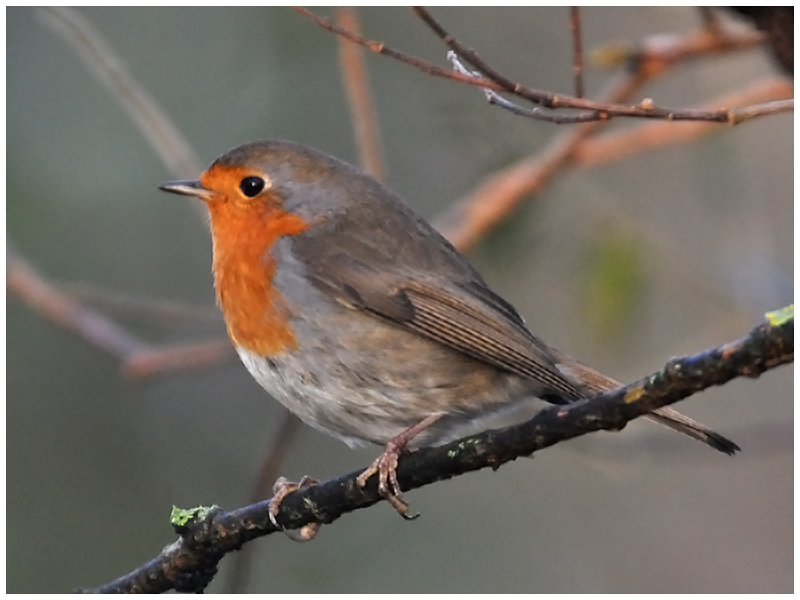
[(187, 188)]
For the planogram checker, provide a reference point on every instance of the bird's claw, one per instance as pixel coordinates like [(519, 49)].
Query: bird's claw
[(280, 489), (388, 487)]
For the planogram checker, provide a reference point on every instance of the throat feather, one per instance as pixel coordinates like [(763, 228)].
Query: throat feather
[(256, 314)]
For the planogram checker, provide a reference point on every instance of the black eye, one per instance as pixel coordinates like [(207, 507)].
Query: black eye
[(251, 186)]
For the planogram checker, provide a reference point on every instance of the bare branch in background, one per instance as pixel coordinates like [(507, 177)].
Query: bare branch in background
[(139, 359), (183, 357), (110, 70), (362, 111), (23, 280)]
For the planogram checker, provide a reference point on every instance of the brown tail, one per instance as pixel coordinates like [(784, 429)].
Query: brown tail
[(596, 382)]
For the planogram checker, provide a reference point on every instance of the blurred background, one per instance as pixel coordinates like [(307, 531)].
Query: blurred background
[(670, 252)]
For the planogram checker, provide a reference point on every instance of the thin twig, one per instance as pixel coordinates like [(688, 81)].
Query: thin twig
[(577, 48), (538, 113), (774, 107), (541, 114), (362, 113)]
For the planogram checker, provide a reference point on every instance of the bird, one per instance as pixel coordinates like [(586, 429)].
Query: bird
[(361, 319)]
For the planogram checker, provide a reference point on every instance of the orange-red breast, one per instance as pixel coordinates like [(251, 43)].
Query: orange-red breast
[(362, 320)]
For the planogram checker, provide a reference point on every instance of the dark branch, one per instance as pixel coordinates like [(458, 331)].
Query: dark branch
[(207, 534)]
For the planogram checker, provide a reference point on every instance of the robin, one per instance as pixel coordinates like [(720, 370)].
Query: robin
[(361, 319)]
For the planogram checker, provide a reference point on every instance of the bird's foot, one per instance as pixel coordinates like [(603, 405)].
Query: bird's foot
[(280, 489), (386, 466), (388, 487)]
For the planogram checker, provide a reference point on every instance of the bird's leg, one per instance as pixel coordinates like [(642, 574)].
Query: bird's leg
[(280, 489), (386, 466)]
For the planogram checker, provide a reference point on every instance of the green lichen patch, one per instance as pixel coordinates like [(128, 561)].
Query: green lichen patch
[(180, 517), (780, 316)]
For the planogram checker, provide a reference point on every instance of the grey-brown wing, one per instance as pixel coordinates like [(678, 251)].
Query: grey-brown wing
[(466, 316), (471, 318)]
